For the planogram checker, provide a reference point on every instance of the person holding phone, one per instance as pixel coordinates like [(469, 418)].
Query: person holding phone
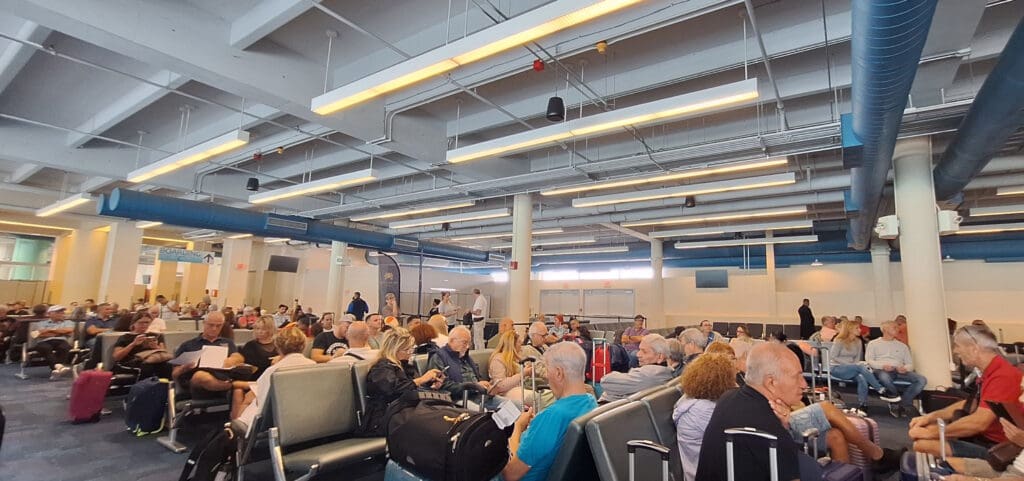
[(138, 346), (391, 376)]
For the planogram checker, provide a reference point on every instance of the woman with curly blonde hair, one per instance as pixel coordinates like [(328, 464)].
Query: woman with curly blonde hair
[(705, 379)]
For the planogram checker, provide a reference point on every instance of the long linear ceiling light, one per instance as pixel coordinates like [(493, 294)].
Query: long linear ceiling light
[(419, 210), (240, 236), (725, 229), (146, 224), (322, 185), (1013, 190), (516, 31), (499, 235), (750, 214), (445, 219), (990, 228), (191, 155), (35, 226), (689, 173), (589, 250), (688, 190), (664, 110), (747, 242), (997, 210), (552, 242), (275, 240), (64, 204)]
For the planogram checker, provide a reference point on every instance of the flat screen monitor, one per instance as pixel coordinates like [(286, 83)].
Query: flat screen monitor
[(713, 279), (283, 264)]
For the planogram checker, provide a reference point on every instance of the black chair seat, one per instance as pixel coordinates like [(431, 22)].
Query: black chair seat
[(334, 455)]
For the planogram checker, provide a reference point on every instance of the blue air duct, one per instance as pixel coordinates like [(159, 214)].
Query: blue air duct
[(131, 204), (997, 111), (887, 39)]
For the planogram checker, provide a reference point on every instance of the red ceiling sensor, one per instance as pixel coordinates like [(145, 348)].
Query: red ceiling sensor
[(538, 65)]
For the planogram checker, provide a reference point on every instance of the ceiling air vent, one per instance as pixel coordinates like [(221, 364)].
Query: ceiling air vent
[(407, 243), (286, 224)]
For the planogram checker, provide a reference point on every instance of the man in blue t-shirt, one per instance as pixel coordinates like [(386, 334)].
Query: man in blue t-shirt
[(535, 441)]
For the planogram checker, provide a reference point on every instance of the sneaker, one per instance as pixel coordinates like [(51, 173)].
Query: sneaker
[(55, 374), (885, 396), (890, 461), (65, 370)]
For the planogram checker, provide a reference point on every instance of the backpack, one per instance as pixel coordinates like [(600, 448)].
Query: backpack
[(145, 407), (619, 358), (213, 459)]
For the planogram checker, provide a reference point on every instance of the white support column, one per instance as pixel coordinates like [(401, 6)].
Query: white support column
[(82, 266), (921, 259), (657, 311), (165, 280), (117, 279), (883, 284), (234, 272), (519, 266), (336, 279), (193, 279), (769, 264)]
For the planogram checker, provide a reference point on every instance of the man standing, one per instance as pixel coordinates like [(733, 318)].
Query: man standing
[(632, 336), (534, 442), (358, 306), (53, 340), (168, 310), (806, 320), (891, 361), (480, 314), (281, 316)]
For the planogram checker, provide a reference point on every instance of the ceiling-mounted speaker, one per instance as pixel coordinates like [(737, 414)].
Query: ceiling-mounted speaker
[(252, 184), (556, 109), (690, 201)]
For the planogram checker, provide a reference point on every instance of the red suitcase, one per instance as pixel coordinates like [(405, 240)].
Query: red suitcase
[(869, 429), (87, 394)]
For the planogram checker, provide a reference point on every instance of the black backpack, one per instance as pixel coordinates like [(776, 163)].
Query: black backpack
[(146, 406), (434, 439), (213, 459)]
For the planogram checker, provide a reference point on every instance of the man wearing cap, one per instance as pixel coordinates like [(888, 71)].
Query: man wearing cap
[(632, 336), (53, 340)]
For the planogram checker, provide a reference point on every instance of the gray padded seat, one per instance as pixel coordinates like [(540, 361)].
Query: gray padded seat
[(574, 461), (607, 435), (420, 361), (482, 358), (660, 405), (306, 410), (177, 326), (174, 339), (641, 394), (243, 336), (107, 341), (359, 372)]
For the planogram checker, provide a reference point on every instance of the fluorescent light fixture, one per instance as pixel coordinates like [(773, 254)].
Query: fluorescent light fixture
[(672, 108), (764, 226), (191, 155), (1013, 190), (516, 31), (443, 289), (689, 173), (146, 224), (275, 240), (413, 211), (747, 242), (164, 239), (997, 210), (556, 230), (322, 185), (36, 226), (817, 263), (239, 236), (990, 228), (688, 190), (589, 250), (948, 258), (105, 228), (64, 204), (443, 219), (551, 242), (750, 214)]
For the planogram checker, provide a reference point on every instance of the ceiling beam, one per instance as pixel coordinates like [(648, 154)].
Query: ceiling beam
[(948, 45), (128, 104), (21, 174), (17, 55), (628, 231), (264, 18)]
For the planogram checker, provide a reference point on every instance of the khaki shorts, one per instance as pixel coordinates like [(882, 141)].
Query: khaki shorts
[(981, 469)]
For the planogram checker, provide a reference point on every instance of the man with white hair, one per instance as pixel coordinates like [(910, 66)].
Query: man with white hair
[(694, 343), (774, 382), (974, 433), (454, 361), (535, 440), (248, 318), (535, 348), (891, 361), (158, 326), (653, 356)]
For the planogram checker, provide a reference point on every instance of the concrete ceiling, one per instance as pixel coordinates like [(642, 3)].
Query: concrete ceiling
[(82, 78)]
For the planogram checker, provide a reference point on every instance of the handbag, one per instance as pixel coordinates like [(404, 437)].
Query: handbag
[(1002, 455), (153, 356)]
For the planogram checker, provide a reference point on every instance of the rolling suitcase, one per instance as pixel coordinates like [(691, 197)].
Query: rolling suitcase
[(834, 470), (145, 408), (87, 395), (921, 466), (773, 450), (869, 429), (601, 360), (663, 451)]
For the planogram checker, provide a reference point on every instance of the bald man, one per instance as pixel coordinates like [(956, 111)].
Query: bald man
[(358, 345), (506, 324)]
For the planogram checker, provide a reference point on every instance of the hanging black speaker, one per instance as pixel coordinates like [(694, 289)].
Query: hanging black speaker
[(556, 109), (252, 184)]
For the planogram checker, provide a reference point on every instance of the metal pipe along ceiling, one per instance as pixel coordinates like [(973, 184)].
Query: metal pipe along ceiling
[(137, 205), (887, 40), (997, 111)]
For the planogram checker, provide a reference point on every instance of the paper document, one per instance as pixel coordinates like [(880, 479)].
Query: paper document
[(506, 415), (213, 357), (186, 358)]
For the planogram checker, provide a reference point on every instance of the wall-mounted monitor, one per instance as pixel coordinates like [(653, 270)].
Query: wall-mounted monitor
[(283, 264), (713, 279)]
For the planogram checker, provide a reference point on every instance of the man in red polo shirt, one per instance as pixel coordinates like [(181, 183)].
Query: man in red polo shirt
[(972, 435)]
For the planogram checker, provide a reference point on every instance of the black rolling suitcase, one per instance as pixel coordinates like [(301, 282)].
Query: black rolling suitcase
[(664, 452), (923, 467)]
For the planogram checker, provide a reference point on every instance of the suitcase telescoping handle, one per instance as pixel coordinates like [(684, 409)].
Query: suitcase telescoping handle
[(773, 446), (942, 438), (533, 380), (663, 451)]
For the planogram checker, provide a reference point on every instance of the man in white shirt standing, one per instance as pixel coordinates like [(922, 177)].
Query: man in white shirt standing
[(480, 314), (891, 360)]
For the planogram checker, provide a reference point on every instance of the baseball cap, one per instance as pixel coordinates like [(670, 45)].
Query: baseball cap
[(55, 308)]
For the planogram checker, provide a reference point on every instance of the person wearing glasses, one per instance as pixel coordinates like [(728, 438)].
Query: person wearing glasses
[(391, 376), (741, 345), (972, 434)]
